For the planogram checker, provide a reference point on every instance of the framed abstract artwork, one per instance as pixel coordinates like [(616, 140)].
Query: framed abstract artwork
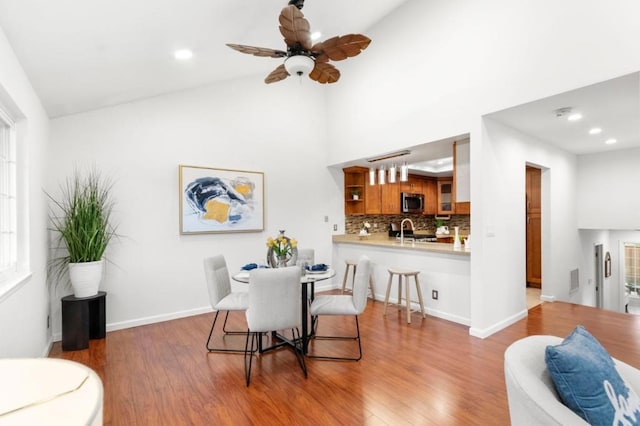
[(220, 200)]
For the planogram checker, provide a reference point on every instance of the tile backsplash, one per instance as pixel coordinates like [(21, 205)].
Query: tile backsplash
[(353, 224)]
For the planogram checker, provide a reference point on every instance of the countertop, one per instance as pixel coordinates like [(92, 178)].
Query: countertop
[(381, 240)]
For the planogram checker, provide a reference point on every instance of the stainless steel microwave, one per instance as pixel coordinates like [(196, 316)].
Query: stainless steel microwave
[(411, 203)]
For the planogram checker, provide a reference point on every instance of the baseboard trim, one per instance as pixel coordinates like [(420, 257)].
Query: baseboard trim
[(486, 332), (148, 320), (547, 298)]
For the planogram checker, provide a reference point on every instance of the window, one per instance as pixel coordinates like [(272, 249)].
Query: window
[(8, 223), (632, 263)]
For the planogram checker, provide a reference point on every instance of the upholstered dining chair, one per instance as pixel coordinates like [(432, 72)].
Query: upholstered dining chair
[(344, 304), (274, 304), (222, 298), (306, 255)]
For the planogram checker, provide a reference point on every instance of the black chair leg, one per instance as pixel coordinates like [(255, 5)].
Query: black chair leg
[(248, 356), (334, 358), (214, 349), (299, 350), (224, 327)]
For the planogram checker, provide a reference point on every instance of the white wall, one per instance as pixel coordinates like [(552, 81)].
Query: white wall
[(23, 312), (607, 190), (586, 294), (244, 124), (435, 67), (503, 274), (613, 288)]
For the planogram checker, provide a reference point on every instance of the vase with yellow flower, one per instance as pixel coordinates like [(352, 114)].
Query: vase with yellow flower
[(281, 251)]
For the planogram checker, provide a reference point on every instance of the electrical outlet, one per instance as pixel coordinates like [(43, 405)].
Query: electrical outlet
[(434, 294), (326, 219), (335, 227)]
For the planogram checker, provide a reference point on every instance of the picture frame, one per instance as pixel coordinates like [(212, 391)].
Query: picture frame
[(214, 200)]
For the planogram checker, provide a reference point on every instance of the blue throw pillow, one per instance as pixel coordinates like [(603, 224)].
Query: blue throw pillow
[(587, 381)]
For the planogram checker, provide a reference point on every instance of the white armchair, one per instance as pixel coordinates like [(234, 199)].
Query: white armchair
[(532, 396)]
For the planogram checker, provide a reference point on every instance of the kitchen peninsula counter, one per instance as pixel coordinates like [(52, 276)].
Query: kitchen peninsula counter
[(382, 240), (445, 272)]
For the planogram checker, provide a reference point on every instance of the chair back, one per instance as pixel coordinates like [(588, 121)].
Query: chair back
[(217, 274), (306, 255), (274, 299), (361, 283)]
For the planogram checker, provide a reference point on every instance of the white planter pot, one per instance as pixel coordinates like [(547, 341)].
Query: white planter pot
[(85, 277)]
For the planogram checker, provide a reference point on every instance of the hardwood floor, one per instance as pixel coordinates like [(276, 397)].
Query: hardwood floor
[(430, 372)]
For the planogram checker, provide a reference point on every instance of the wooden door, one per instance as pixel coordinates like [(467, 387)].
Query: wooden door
[(534, 228)]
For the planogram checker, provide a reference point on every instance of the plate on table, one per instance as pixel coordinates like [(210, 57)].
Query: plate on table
[(316, 272)]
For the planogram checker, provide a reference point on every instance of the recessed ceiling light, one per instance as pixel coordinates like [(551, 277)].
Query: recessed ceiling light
[(610, 141), (574, 116), (183, 54), (595, 131), (316, 35)]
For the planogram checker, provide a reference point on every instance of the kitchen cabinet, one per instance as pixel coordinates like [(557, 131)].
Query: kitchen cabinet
[(445, 196), (390, 198), (354, 190), (372, 199), (461, 176), (430, 191), (413, 185)]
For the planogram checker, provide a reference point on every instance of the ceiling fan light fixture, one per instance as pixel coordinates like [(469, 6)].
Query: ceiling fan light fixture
[(299, 65)]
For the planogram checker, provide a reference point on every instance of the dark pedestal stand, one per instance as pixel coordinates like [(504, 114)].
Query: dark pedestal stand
[(83, 319)]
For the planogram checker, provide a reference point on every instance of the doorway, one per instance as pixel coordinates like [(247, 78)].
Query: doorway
[(534, 226), (631, 274)]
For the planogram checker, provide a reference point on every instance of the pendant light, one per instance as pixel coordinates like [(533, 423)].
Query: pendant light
[(404, 172), (392, 173), (372, 176), (381, 175)]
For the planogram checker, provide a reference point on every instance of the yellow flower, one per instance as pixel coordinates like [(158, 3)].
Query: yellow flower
[(294, 243)]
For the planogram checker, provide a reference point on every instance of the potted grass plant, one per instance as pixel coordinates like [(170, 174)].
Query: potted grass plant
[(81, 218)]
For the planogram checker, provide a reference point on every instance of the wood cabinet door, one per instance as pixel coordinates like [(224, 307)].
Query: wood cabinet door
[(445, 196), (373, 199), (534, 226), (430, 191), (390, 195), (412, 186)]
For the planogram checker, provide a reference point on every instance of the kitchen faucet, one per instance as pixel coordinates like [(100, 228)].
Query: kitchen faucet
[(402, 229)]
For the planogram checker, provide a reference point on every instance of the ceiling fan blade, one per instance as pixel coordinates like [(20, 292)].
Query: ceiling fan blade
[(258, 51), (324, 73), (276, 75), (294, 27), (341, 47)]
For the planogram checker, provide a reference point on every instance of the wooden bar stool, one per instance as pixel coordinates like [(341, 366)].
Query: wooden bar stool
[(353, 263), (406, 274)]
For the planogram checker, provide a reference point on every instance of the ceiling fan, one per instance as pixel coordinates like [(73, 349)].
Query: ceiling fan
[(303, 57)]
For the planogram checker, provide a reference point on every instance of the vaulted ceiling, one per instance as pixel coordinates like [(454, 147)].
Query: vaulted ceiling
[(83, 55)]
